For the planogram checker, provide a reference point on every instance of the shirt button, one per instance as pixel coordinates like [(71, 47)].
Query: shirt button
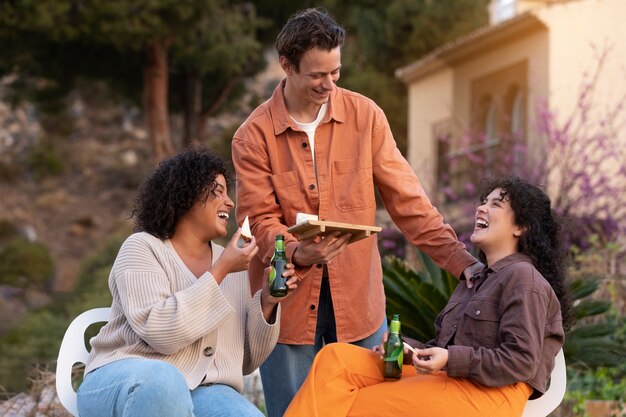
[(478, 312), (304, 144), (312, 307), (318, 266), (312, 187), (208, 351), (454, 327)]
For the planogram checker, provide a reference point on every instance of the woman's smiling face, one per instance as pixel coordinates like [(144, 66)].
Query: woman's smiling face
[(212, 215), (495, 230)]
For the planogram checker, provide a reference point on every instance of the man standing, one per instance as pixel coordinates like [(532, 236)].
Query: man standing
[(319, 149)]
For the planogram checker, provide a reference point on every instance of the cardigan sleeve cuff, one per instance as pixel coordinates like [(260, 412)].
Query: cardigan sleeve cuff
[(254, 305)]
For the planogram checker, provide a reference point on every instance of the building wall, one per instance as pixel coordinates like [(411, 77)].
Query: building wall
[(579, 32), (430, 102), (559, 59)]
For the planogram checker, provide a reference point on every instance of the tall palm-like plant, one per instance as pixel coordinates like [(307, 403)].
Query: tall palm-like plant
[(417, 295), (591, 342)]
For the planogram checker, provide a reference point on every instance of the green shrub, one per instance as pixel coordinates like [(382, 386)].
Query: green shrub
[(594, 340), (24, 348), (24, 264), (8, 230), (36, 339), (45, 160)]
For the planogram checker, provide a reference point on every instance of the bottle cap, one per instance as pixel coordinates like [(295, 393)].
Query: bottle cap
[(394, 326)]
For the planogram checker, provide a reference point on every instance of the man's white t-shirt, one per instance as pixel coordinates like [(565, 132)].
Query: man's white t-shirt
[(309, 128)]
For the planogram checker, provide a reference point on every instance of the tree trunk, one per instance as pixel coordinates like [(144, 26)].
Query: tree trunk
[(155, 85), (216, 105), (192, 103)]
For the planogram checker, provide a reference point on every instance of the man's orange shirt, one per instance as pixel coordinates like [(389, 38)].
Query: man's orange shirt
[(354, 152)]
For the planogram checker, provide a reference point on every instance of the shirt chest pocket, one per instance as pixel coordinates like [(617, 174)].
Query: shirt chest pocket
[(481, 323), (287, 189), (353, 185)]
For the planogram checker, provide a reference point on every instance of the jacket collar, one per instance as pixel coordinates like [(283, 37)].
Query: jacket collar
[(280, 116), (509, 260), (479, 278)]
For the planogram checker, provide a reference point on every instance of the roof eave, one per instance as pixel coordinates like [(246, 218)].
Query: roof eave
[(469, 45)]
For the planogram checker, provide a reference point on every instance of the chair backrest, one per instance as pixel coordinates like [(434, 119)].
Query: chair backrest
[(73, 351), (549, 401)]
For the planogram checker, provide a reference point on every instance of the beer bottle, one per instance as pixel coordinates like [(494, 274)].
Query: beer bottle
[(278, 283), (394, 350)]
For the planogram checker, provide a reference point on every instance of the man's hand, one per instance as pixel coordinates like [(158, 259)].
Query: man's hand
[(472, 270), (320, 250), (380, 349)]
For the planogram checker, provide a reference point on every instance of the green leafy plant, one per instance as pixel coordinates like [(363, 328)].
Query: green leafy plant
[(603, 383), (417, 295), (36, 339), (592, 341), (46, 160), (24, 264)]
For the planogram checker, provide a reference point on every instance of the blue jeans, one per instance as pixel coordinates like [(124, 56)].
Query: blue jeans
[(144, 387), (284, 371)]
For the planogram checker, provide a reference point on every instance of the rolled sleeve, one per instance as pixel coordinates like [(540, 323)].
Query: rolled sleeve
[(459, 358)]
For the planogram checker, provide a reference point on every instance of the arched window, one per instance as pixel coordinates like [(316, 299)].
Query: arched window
[(517, 115), (491, 122), (491, 135)]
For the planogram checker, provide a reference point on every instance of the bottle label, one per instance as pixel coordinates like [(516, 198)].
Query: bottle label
[(272, 275), (396, 355)]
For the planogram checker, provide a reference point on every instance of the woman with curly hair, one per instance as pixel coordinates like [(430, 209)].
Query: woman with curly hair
[(495, 342), (184, 327)]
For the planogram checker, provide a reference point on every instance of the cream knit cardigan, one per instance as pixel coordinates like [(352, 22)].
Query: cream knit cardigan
[(161, 311)]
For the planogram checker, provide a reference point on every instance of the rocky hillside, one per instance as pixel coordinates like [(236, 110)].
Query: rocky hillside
[(68, 180)]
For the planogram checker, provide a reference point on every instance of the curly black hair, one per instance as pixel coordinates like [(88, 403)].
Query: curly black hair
[(177, 184), (542, 240)]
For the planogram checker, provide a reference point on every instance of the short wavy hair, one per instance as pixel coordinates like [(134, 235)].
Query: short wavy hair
[(308, 29), (542, 239), (177, 184)]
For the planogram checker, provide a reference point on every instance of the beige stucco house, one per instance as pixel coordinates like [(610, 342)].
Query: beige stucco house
[(489, 83)]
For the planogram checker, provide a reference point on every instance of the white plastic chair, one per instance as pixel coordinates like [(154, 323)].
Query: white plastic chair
[(549, 401), (73, 351)]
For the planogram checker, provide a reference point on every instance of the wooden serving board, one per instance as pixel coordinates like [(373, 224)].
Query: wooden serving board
[(312, 228)]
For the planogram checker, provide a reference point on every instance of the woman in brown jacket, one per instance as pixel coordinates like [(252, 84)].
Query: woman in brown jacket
[(495, 342)]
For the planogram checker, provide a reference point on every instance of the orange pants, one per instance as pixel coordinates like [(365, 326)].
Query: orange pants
[(347, 380)]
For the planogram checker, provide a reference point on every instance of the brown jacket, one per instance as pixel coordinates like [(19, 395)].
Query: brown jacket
[(505, 329), (354, 152)]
